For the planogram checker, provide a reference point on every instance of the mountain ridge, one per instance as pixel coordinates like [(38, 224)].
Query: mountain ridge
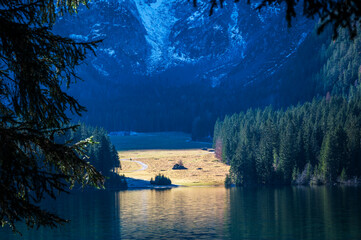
[(173, 64)]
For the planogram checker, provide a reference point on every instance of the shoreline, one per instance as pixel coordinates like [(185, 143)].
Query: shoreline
[(203, 169)]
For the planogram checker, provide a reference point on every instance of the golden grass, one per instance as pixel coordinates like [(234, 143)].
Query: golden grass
[(130, 166), (203, 167)]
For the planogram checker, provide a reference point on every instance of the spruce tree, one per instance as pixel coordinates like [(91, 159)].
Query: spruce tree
[(287, 151), (36, 66), (333, 153)]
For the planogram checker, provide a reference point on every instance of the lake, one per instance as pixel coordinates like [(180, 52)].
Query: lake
[(206, 213), (157, 140)]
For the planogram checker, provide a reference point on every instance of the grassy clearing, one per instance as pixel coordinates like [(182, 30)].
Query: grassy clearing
[(130, 166), (203, 167)]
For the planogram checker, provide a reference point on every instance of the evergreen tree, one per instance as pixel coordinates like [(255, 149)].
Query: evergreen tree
[(332, 154), (102, 155), (287, 151), (304, 144), (264, 161), (352, 164), (35, 66)]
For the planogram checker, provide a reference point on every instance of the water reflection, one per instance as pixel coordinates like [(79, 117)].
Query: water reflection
[(207, 213), (295, 213), (194, 213)]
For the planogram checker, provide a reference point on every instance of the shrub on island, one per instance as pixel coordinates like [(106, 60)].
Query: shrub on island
[(160, 179), (179, 166)]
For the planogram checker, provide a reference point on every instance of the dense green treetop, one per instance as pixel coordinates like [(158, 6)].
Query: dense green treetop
[(317, 142)]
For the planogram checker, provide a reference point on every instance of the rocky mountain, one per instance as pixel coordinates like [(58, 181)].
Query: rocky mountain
[(150, 37), (173, 43)]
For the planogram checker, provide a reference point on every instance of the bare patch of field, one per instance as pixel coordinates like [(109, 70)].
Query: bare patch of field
[(202, 166), (129, 166)]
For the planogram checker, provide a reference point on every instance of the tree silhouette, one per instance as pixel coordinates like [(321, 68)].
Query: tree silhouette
[(343, 13), (35, 67)]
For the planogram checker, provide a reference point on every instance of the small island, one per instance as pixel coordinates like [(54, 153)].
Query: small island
[(179, 166)]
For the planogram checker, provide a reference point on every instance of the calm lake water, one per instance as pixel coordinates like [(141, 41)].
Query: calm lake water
[(207, 213), (157, 140)]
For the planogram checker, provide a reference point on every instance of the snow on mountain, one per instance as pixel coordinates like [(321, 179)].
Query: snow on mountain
[(151, 37), (167, 65), (157, 18)]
